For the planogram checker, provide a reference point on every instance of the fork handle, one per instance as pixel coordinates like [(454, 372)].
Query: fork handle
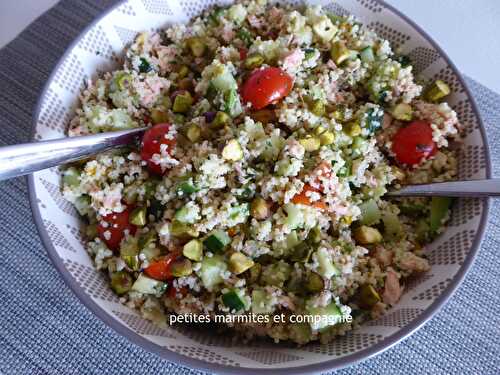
[(473, 188), (18, 160)]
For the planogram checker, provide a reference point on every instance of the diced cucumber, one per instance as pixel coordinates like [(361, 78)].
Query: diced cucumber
[(71, 177), (287, 167), (193, 250), (217, 241), (261, 302), (234, 299), (82, 204), (326, 267), (367, 55), (188, 214), (147, 285), (273, 146), (326, 316), (129, 252), (121, 81), (357, 147), (224, 81), (232, 151), (346, 169), (370, 213), (237, 13), (439, 210), (151, 252), (292, 240), (324, 29), (210, 271), (295, 218), (187, 187), (232, 105)]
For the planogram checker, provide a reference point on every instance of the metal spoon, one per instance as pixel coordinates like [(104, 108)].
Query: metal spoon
[(472, 188), (18, 160)]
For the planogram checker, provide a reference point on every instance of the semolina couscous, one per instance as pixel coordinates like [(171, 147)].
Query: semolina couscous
[(258, 188)]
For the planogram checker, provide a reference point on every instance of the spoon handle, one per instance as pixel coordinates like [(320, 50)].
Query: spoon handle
[(473, 188), (18, 160)]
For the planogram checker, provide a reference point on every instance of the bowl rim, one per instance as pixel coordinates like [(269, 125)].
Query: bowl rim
[(333, 364)]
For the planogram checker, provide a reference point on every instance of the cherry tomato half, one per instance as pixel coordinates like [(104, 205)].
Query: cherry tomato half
[(302, 198), (112, 228), (266, 86), (413, 143), (160, 269), (152, 140)]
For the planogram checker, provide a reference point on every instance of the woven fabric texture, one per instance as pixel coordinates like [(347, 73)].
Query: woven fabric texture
[(44, 329)]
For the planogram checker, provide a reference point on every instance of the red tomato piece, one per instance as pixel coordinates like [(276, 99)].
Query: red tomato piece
[(266, 86), (243, 53), (302, 198), (413, 143), (160, 269), (152, 140), (112, 228)]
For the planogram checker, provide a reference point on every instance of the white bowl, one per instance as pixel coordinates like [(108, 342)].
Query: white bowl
[(97, 49)]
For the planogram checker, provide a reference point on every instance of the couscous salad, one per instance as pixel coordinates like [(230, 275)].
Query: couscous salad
[(258, 188)]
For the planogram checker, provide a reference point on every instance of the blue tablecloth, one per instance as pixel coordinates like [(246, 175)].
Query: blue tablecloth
[(44, 329)]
